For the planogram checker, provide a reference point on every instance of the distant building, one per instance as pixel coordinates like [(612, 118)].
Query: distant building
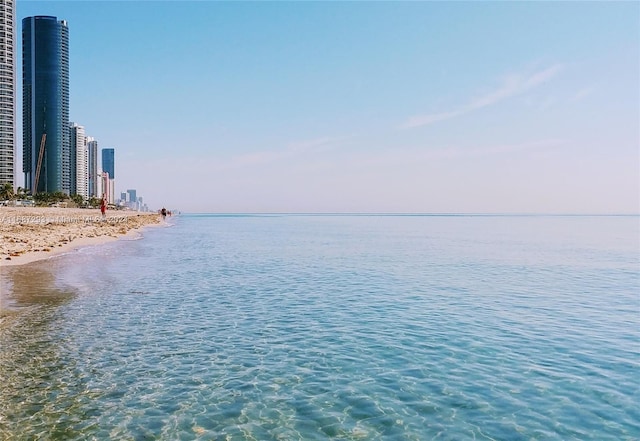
[(7, 91), (79, 161), (109, 162), (45, 89), (132, 196), (99, 185), (108, 166), (107, 188), (123, 197), (92, 167)]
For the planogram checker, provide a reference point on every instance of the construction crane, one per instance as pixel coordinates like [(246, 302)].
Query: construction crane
[(40, 155)]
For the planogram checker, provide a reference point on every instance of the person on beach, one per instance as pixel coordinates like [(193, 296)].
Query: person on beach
[(103, 207), (164, 213)]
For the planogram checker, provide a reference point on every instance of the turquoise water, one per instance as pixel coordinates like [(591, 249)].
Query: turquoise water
[(330, 327)]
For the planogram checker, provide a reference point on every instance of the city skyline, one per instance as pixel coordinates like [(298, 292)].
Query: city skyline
[(65, 159), (374, 107)]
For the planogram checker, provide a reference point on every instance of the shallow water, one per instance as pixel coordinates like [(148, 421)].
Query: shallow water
[(331, 327)]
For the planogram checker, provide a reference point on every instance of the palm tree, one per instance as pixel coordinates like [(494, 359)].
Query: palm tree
[(78, 199), (6, 192)]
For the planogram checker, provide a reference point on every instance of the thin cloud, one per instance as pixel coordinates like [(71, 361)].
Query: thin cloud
[(583, 93), (291, 150), (312, 145), (448, 153), (512, 85)]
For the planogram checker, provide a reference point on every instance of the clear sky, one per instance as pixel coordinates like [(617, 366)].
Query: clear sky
[(472, 107)]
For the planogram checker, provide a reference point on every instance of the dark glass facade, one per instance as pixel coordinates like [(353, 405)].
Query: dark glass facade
[(45, 80), (108, 162)]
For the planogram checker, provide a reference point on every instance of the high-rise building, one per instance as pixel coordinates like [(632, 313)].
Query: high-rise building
[(108, 162), (7, 91), (132, 196), (107, 188), (79, 161), (92, 167), (45, 89), (108, 166), (100, 185)]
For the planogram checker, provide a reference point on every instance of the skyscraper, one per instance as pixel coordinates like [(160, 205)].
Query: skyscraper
[(132, 196), (108, 162), (108, 167), (7, 91), (78, 161), (45, 83), (92, 167), (107, 189)]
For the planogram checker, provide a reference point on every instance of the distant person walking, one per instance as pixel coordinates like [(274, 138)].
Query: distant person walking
[(164, 213), (103, 207)]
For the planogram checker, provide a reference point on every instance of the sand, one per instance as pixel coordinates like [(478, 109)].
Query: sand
[(28, 234)]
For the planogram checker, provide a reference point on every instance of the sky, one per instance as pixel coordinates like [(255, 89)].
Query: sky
[(374, 107)]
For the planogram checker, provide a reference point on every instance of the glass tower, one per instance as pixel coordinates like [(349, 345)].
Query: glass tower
[(7, 91), (108, 162), (108, 169), (45, 84)]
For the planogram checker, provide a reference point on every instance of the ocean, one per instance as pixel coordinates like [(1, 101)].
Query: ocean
[(316, 327)]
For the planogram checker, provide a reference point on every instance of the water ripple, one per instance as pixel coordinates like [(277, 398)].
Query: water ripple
[(287, 328)]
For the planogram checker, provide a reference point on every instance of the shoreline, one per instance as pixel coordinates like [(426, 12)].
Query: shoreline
[(31, 234)]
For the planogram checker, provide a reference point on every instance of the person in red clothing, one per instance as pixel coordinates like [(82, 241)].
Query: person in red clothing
[(103, 207)]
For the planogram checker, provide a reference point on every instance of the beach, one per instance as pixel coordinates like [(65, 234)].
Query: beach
[(35, 233)]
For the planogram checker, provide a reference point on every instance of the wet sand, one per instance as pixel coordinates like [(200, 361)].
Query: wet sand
[(28, 234)]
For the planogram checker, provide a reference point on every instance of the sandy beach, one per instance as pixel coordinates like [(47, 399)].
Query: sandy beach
[(28, 234)]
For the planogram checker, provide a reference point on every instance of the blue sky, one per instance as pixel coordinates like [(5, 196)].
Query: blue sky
[(473, 107)]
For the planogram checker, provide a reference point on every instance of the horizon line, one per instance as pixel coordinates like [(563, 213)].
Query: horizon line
[(382, 213)]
